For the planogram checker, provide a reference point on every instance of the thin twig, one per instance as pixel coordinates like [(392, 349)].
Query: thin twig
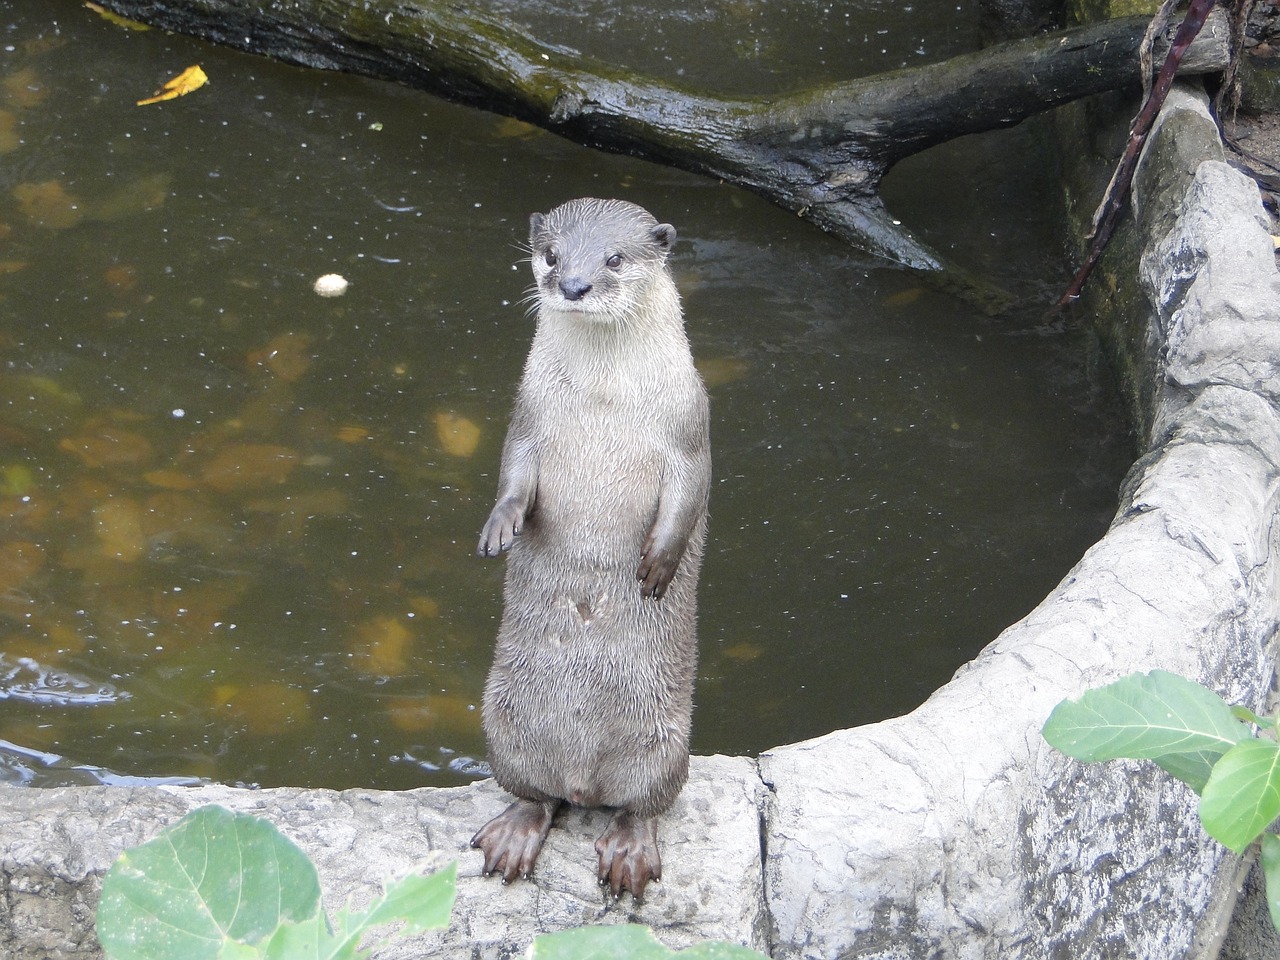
[(1113, 201)]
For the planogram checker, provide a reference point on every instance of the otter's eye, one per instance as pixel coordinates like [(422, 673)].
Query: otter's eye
[(550, 258), (614, 262)]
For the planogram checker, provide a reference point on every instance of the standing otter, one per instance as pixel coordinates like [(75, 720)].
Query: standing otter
[(605, 474)]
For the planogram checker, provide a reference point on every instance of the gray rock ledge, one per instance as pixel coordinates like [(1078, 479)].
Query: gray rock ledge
[(954, 831)]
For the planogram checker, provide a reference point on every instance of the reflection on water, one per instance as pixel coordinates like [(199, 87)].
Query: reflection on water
[(238, 518)]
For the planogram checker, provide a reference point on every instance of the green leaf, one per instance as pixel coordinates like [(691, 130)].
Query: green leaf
[(630, 941), (720, 951), (1242, 796), (309, 939), (422, 902), (1155, 716), (1248, 716), (211, 877), (627, 942), (1271, 870)]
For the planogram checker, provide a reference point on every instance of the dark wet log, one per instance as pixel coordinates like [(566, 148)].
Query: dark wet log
[(820, 152)]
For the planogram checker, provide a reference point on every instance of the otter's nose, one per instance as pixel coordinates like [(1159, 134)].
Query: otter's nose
[(574, 288)]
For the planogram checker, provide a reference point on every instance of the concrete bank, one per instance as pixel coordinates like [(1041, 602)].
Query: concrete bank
[(954, 831)]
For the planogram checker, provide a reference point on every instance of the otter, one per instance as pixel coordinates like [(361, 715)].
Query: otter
[(602, 503)]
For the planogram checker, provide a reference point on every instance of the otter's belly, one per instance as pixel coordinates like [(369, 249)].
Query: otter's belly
[(590, 695)]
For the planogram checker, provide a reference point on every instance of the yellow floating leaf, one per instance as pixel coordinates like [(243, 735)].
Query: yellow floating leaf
[(192, 78), (13, 266), (458, 435), (115, 18)]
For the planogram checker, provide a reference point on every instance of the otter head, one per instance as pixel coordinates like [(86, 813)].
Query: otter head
[(597, 258)]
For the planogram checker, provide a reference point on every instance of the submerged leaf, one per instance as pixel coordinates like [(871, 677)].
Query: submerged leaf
[(1156, 716), (247, 466), (49, 204), (24, 88), (138, 196), (108, 446), (9, 139), (381, 646), (192, 78), (717, 371), (458, 435), (288, 356), (118, 525), (267, 709)]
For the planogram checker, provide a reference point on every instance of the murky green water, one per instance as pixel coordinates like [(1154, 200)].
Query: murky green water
[(237, 519)]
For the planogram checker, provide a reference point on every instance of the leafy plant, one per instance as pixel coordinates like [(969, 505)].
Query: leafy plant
[(1228, 755), (627, 942), (229, 886), (218, 885)]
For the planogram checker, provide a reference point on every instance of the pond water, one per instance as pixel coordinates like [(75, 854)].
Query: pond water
[(238, 519)]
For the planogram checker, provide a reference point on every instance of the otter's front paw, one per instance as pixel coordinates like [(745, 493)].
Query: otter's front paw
[(501, 529), (657, 567)]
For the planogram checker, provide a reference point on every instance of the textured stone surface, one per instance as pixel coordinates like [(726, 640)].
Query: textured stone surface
[(55, 845), (956, 831)]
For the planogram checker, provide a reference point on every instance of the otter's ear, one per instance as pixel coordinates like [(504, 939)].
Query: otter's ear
[(664, 235), (536, 221)]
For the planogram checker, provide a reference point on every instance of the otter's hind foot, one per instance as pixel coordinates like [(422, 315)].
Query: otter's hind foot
[(512, 840), (629, 856)]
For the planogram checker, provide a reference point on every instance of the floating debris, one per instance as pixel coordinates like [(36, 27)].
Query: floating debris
[(331, 285)]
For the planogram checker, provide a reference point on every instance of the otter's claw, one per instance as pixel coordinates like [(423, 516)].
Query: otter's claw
[(512, 840), (501, 529)]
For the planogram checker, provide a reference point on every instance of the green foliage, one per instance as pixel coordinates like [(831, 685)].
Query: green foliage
[(223, 886), (1194, 735), (218, 885), (1242, 796), (1158, 716), (627, 942)]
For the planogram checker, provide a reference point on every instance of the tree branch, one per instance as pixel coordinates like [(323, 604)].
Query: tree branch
[(820, 152)]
